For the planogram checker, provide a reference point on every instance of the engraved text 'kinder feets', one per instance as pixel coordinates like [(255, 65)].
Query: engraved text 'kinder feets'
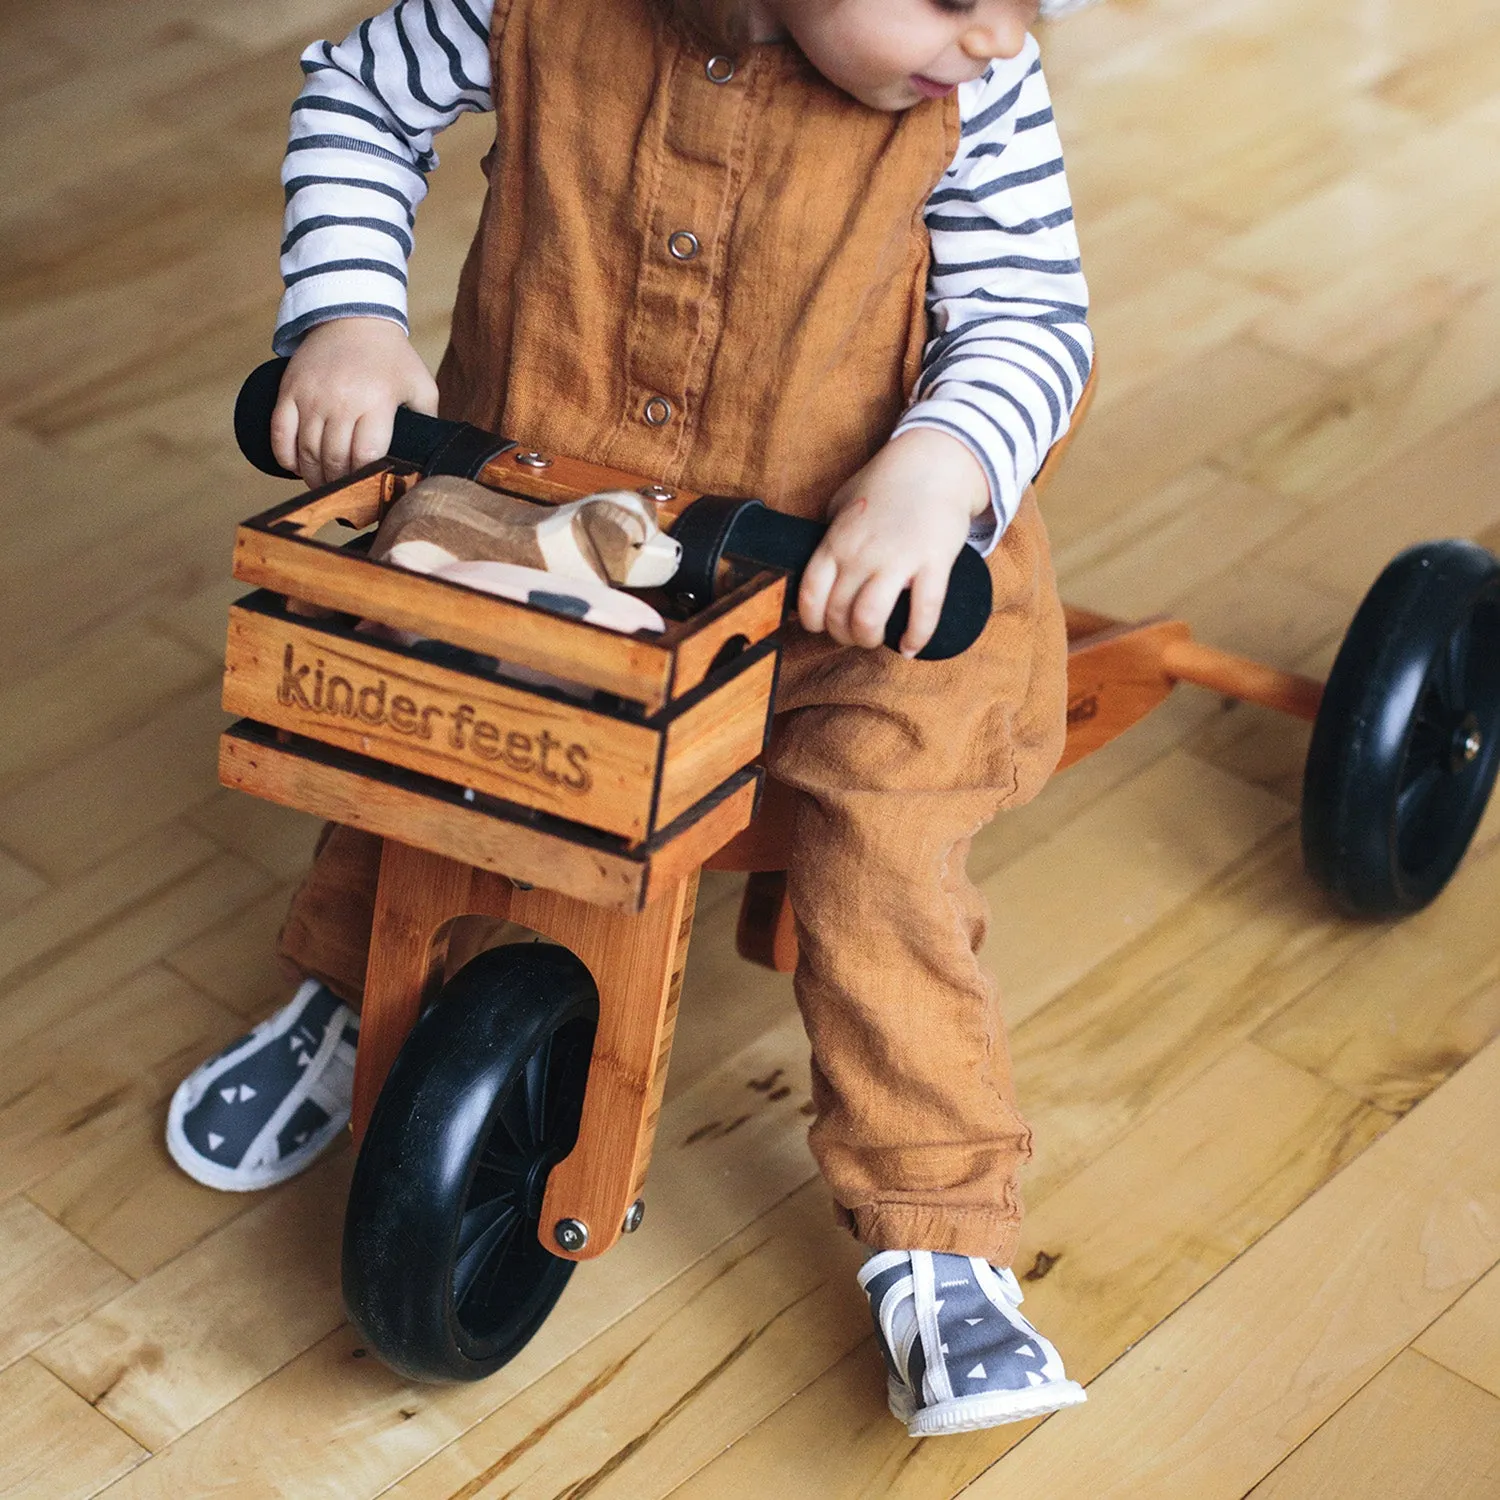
[(306, 685)]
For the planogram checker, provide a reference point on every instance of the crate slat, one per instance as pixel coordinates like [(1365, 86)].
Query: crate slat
[(510, 841)]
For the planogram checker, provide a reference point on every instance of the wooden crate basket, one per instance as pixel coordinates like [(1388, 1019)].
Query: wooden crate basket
[(627, 743)]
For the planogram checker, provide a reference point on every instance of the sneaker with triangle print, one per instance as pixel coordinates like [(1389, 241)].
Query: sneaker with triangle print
[(268, 1105), (959, 1355)]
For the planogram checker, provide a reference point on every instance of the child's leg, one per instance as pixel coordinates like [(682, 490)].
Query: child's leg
[(272, 1102), (326, 935), (899, 764)]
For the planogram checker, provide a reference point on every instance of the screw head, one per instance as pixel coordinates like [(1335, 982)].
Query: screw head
[(633, 1216), (1466, 745), (657, 492), (571, 1234), (533, 460)]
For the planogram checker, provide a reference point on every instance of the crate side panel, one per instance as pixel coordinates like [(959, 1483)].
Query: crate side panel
[(466, 730), (709, 742)]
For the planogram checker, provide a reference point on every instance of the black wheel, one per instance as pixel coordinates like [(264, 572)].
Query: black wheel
[(444, 1275), (1407, 741)]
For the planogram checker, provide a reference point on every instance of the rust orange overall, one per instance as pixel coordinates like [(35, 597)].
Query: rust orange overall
[(715, 276)]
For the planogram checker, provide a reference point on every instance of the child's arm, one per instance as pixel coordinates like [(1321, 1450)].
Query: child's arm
[(1008, 302), (1010, 356), (359, 150)]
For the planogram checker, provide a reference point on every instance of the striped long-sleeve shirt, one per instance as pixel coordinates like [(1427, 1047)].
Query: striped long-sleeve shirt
[(1010, 348)]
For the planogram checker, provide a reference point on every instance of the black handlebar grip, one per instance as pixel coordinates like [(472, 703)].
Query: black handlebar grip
[(766, 536), (415, 437)]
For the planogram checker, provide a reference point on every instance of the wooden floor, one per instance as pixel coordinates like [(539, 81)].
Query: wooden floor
[(1265, 1207)]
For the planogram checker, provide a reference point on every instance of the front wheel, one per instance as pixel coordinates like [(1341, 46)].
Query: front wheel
[(444, 1275), (1406, 745)]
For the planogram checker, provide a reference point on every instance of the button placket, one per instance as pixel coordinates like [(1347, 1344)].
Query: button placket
[(677, 315)]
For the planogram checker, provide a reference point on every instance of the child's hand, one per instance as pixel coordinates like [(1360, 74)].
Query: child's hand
[(898, 523), (339, 397)]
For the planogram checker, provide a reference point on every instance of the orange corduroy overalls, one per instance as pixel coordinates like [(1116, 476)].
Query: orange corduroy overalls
[(714, 274)]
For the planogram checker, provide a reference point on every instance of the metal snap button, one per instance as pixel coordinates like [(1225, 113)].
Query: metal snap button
[(683, 244), (658, 411), (720, 69)]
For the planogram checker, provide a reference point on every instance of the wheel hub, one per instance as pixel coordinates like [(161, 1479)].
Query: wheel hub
[(536, 1183), (1468, 741)]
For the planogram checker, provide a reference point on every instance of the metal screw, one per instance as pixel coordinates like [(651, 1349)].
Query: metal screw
[(633, 1216), (571, 1234), (533, 460), (657, 492)]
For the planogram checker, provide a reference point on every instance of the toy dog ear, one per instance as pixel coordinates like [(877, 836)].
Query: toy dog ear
[(625, 540)]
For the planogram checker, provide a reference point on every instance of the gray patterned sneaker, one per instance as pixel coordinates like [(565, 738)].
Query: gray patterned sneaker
[(958, 1354), (268, 1105)]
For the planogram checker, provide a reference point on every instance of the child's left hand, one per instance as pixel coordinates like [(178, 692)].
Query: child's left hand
[(900, 522)]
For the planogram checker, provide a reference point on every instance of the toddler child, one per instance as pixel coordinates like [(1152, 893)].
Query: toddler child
[(816, 251)]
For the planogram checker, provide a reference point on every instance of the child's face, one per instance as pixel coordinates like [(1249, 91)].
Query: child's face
[(892, 54)]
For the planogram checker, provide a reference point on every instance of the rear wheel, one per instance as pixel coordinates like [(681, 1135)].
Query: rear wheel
[(444, 1274), (1406, 745)]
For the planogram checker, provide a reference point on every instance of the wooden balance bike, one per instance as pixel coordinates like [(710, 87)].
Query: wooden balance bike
[(505, 1119)]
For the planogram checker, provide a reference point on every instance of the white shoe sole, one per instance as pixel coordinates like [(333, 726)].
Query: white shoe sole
[(241, 1179), (988, 1409)]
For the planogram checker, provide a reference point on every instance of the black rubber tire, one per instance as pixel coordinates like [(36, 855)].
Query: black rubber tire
[(1389, 801), (444, 1276)]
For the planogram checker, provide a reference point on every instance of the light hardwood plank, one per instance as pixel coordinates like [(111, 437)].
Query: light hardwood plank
[(107, 798), (1218, 1395), (72, 1084), (143, 934), (1466, 1339), (236, 961), (277, 839), (1142, 562), (57, 1447), (1107, 878), (112, 684), (1396, 1019), (1446, 486), (48, 1279), (1415, 1430), (1136, 447), (74, 911), (18, 886), (171, 1350), (1065, 798), (1448, 79), (1172, 321), (122, 1195)]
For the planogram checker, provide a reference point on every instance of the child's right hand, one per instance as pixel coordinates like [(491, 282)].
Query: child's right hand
[(339, 397)]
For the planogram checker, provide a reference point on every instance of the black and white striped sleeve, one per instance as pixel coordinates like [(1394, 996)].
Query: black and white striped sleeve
[(359, 150), (1010, 350)]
